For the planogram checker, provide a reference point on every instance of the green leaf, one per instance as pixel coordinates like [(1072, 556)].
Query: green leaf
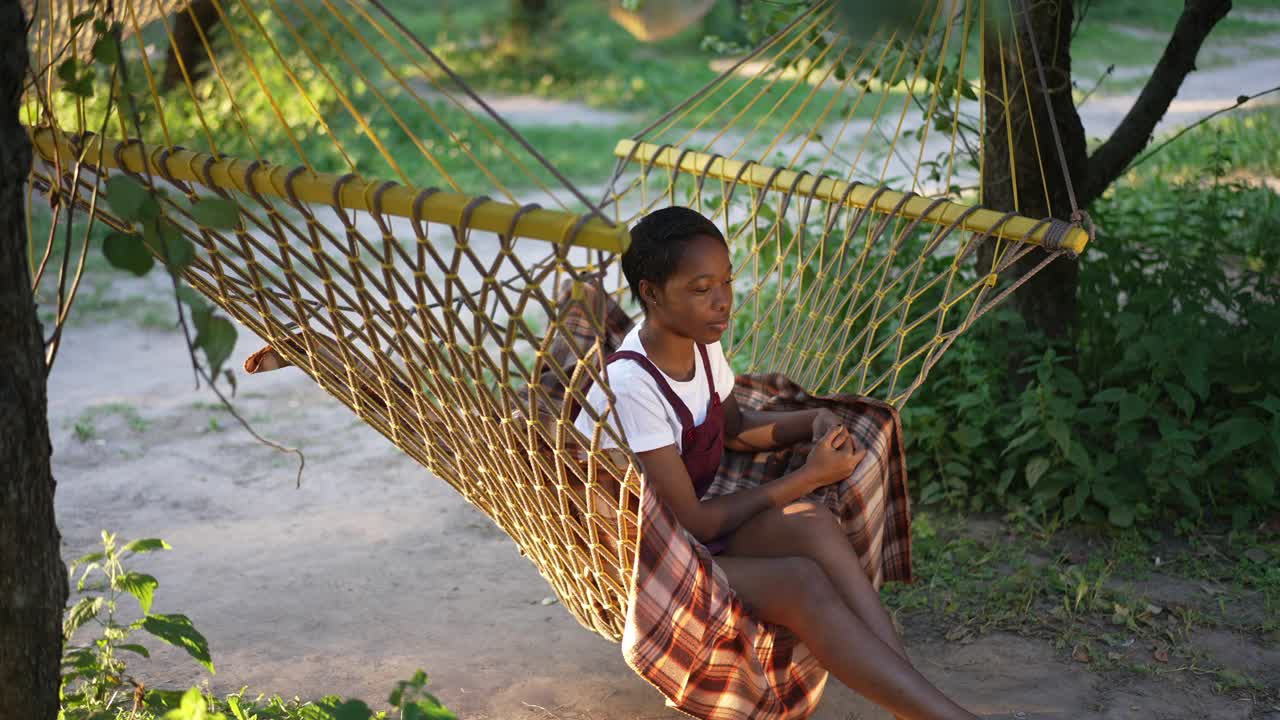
[(1075, 502), (1194, 372), (1132, 408), (106, 50), (1261, 485), (1060, 434), (80, 657), (1006, 477), (178, 631), (69, 70), (1235, 433), (352, 710), (1036, 469), (81, 19), (135, 648), (193, 707), (1079, 457), (217, 213), (1110, 395), (1021, 439), (967, 436), (127, 197), (200, 318), (82, 612), (159, 699), (177, 251), (82, 87), (1120, 515), (192, 297), (141, 586), (93, 557), (127, 252), (427, 709), (146, 545), (1181, 398), (217, 339)]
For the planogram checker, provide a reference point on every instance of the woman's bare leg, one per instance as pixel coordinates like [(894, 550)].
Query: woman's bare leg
[(807, 529), (796, 593)]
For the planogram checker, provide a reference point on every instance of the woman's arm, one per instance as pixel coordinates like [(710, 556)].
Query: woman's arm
[(753, 430), (832, 459)]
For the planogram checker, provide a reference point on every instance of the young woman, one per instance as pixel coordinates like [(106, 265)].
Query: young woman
[(785, 557)]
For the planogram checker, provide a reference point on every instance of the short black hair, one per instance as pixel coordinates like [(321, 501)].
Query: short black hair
[(658, 243)]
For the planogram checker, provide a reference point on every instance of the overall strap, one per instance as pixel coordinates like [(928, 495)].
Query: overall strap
[(682, 411), (706, 366)]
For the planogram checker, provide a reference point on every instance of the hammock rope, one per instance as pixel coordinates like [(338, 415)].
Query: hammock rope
[(463, 321)]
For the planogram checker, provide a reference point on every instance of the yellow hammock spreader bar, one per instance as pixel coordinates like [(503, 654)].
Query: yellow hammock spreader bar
[(755, 175), (448, 208)]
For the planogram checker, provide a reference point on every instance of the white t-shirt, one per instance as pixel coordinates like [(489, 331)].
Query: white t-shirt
[(648, 421)]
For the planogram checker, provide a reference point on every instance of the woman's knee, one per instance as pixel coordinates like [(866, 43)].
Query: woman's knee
[(809, 513), (812, 525), (809, 593)]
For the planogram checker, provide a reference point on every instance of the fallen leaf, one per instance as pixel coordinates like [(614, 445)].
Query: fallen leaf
[(1154, 609), (548, 601), (1161, 655), (958, 633), (1081, 654)]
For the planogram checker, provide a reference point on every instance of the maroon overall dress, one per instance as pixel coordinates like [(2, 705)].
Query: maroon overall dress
[(701, 446)]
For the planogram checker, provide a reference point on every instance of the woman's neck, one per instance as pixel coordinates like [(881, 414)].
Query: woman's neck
[(672, 353)]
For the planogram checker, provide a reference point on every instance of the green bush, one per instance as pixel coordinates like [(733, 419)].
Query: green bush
[(1171, 408)]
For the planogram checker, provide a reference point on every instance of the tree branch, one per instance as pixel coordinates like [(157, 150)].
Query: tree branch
[(1107, 163)]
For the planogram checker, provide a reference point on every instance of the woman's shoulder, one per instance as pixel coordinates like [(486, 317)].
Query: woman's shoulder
[(626, 376)]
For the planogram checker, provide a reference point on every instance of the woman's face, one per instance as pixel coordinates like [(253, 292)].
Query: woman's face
[(696, 300)]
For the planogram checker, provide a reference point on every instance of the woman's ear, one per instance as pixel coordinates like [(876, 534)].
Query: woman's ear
[(649, 293)]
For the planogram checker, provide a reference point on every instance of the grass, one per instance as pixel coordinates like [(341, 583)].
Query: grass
[(1134, 33), (1163, 16), (85, 425), (1244, 139), (1096, 595)]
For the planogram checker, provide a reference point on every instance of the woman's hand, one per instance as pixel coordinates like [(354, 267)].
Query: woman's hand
[(824, 421), (833, 457)]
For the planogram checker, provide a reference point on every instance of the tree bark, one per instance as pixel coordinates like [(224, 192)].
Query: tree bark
[(1014, 150), (33, 584), (189, 23), (1111, 158), (1048, 301)]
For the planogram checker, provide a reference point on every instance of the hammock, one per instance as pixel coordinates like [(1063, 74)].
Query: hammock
[(460, 305)]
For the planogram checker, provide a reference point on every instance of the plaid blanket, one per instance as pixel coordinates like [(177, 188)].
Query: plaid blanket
[(686, 632)]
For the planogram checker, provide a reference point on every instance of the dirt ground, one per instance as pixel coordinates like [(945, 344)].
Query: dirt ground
[(374, 569)]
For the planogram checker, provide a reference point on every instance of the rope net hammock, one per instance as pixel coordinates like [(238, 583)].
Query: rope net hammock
[(403, 245)]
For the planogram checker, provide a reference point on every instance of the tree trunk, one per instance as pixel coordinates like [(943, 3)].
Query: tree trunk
[(33, 584), (1048, 301), (188, 24)]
